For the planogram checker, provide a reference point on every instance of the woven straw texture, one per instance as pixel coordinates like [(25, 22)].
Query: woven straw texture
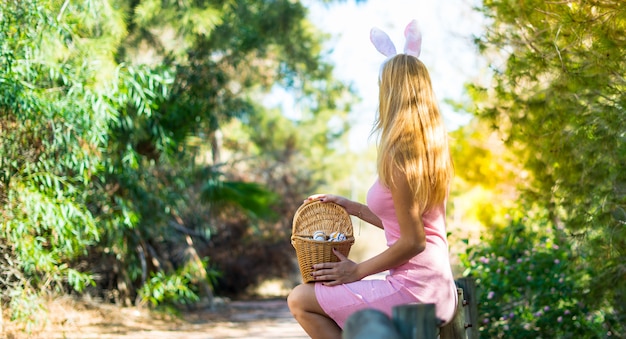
[(318, 216)]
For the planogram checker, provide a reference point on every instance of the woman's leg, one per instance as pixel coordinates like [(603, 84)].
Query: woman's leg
[(308, 312)]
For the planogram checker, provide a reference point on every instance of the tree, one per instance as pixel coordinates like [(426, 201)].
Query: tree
[(107, 110), (54, 115), (227, 57), (487, 176), (557, 94)]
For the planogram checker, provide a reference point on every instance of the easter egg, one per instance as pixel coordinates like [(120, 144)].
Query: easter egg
[(319, 236), (337, 236)]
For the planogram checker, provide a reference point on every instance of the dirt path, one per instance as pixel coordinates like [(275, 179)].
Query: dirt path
[(236, 319), (254, 319)]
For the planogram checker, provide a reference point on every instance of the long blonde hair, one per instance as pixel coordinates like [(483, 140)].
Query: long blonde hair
[(412, 134)]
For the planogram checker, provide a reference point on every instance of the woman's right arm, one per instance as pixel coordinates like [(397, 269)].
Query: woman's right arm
[(354, 208)]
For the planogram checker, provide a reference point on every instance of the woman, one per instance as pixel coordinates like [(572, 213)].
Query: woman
[(407, 201)]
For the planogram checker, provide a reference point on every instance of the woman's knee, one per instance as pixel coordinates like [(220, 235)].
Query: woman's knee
[(298, 298)]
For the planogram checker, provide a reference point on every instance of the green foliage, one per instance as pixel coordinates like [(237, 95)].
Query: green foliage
[(26, 308), (479, 156), (531, 285), (176, 288), (107, 113), (252, 198), (225, 58), (558, 96), (49, 147), (486, 175)]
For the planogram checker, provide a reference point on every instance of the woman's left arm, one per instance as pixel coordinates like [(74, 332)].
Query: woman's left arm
[(412, 241)]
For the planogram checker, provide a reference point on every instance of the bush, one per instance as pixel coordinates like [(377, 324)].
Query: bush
[(531, 285)]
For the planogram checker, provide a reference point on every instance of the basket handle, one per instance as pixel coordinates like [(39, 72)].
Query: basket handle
[(307, 202), (295, 216)]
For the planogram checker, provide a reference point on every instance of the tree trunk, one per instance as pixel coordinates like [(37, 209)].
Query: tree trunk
[(200, 274)]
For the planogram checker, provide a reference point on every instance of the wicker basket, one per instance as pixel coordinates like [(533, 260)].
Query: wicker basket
[(319, 216)]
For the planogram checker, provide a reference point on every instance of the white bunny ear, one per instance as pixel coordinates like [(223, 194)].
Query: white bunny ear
[(413, 45), (382, 42)]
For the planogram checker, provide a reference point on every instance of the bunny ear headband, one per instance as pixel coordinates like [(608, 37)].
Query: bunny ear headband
[(412, 46)]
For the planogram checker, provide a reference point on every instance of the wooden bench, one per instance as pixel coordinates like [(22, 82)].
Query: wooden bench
[(418, 321)]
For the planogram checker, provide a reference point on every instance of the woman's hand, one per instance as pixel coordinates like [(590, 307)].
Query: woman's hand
[(336, 273), (352, 207), (341, 201)]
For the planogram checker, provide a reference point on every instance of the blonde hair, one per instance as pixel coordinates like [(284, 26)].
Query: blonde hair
[(413, 138)]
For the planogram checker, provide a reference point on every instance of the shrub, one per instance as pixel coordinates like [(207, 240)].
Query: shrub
[(532, 286)]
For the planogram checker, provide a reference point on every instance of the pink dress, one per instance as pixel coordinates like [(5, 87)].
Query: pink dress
[(426, 278)]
